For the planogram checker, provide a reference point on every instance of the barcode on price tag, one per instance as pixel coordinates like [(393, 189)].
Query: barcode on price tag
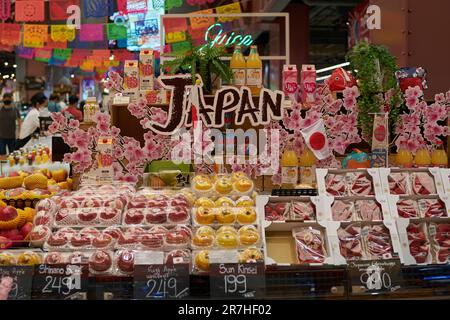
[(223, 256), (149, 257)]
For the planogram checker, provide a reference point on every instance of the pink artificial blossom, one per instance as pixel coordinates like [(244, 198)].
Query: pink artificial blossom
[(415, 92)]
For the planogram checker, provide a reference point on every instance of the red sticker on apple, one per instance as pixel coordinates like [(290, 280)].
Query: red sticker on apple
[(317, 141)]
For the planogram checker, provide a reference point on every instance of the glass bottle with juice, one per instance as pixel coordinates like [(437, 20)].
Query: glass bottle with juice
[(238, 67), (307, 163), (439, 156), (254, 71), (423, 158), (289, 168), (404, 158)]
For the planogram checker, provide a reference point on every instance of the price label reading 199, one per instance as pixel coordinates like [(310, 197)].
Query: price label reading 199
[(237, 280), (235, 284)]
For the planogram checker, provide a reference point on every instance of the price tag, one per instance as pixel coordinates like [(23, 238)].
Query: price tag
[(61, 281), (161, 281), (375, 276), (237, 280), (21, 277)]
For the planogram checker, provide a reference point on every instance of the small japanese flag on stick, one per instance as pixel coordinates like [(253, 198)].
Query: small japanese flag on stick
[(316, 139)]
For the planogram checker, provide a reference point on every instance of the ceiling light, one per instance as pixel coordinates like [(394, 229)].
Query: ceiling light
[(6, 63), (14, 66), (72, 76), (333, 67)]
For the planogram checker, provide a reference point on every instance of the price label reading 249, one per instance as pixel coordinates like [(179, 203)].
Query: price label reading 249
[(63, 281), (237, 280), (161, 281)]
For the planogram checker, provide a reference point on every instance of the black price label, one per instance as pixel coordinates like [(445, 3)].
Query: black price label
[(21, 278), (378, 276), (161, 281), (61, 281), (237, 280)]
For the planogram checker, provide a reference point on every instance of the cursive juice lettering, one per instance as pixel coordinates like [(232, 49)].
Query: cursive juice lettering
[(214, 35)]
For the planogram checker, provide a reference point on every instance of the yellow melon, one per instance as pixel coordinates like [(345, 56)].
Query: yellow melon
[(2, 204), (11, 182), (36, 181)]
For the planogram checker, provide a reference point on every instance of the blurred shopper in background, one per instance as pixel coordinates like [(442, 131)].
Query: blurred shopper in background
[(54, 103), (9, 121), (72, 110)]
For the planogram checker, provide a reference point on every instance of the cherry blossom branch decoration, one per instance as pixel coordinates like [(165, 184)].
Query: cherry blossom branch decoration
[(424, 125)]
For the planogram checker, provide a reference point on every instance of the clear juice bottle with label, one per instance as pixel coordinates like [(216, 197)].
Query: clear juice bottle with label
[(439, 156), (423, 158), (289, 168), (307, 162), (238, 66), (254, 71)]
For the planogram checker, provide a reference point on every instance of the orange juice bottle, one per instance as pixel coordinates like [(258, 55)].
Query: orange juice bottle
[(423, 158), (238, 66), (289, 168), (439, 156), (254, 71), (404, 158), (307, 163)]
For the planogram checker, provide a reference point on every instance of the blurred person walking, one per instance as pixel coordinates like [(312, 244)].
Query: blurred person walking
[(9, 121), (72, 110)]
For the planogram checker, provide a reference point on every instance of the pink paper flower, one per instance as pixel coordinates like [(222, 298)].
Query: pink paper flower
[(415, 92), (440, 98)]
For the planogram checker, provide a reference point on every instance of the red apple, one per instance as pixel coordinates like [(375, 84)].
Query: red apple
[(5, 243), (26, 229), (9, 233), (178, 214), (17, 240), (8, 214), (134, 216), (176, 237), (109, 213), (137, 205)]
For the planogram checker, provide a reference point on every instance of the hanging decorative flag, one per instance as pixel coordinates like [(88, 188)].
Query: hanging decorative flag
[(198, 2), (87, 65), (170, 4), (10, 34), (34, 35), (227, 9), (43, 55), (122, 6), (95, 8), (91, 32), (30, 10), (116, 31), (58, 8), (27, 53), (316, 140), (62, 54), (5, 9), (175, 24), (202, 22), (55, 44), (136, 6), (62, 33)]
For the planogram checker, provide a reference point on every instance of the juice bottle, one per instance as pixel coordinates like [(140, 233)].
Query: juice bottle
[(289, 168), (404, 158), (439, 156), (423, 158), (254, 71), (238, 66), (307, 163)]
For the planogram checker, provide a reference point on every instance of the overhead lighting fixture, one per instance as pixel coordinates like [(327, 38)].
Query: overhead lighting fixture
[(6, 63), (111, 58), (6, 76), (14, 66), (333, 67), (72, 76)]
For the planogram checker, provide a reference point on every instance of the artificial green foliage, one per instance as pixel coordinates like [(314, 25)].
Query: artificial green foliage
[(374, 80), (204, 60)]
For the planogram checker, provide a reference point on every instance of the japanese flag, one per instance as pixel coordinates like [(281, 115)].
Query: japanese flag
[(316, 139)]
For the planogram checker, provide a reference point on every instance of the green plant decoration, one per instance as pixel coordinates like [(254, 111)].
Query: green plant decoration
[(376, 69), (204, 60)]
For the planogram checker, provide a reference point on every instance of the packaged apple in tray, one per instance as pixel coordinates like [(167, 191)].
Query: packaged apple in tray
[(124, 261), (84, 239), (157, 238), (29, 257), (43, 218), (100, 261), (440, 240), (48, 206), (94, 217), (235, 185), (226, 237), (312, 245), (226, 215), (39, 235)]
